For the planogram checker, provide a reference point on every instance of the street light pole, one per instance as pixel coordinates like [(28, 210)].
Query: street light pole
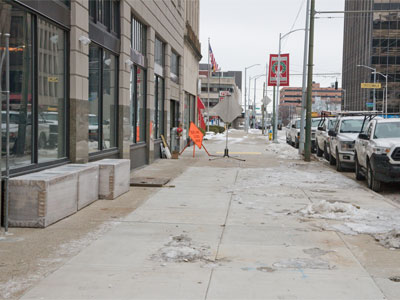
[(374, 72), (278, 83), (385, 104), (245, 96)]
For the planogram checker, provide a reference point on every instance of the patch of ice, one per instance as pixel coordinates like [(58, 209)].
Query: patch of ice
[(303, 263)]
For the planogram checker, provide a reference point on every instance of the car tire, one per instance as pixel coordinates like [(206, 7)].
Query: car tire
[(372, 183), (357, 169), (332, 160), (339, 166), (42, 141), (319, 151), (326, 154)]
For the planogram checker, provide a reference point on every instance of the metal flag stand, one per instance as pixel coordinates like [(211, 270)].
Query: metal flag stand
[(6, 55)]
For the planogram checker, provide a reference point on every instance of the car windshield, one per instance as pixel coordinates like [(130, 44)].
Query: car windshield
[(93, 120), (351, 126), (51, 117), (331, 124), (387, 130), (14, 118), (315, 122)]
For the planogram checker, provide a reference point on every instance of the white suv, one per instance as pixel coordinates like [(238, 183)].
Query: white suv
[(293, 133), (322, 138), (342, 141), (378, 153)]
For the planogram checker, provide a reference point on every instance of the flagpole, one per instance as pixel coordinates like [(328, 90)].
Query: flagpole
[(208, 87)]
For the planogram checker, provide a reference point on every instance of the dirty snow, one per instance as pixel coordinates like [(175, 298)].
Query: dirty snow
[(181, 249), (283, 150)]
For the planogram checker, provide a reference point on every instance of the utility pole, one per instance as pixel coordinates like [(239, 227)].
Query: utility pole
[(262, 110), (307, 146), (208, 87), (304, 85), (274, 115)]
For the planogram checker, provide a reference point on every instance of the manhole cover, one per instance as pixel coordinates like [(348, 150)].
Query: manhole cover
[(149, 181)]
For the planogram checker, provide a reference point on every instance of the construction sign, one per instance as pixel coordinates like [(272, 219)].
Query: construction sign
[(195, 135), (274, 70)]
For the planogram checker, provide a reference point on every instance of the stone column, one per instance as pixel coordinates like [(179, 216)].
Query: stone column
[(124, 101), (150, 94), (79, 83), (167, 76)]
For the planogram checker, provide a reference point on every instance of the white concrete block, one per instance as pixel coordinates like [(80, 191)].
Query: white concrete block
[(114, 177), (88, 182), (41, 199)]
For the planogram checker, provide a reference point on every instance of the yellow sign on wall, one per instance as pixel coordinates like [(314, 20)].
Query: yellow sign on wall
[(369, 85)]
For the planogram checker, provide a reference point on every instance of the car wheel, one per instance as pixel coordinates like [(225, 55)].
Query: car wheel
[(339, 166), (359, 175), (319, 151), (373, 184), (326, 154), (42, 141), (332, 160)]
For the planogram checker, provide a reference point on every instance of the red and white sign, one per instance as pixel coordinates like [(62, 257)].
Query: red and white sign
[(283, 69)]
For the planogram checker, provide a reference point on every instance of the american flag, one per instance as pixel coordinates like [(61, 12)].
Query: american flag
[(214, 65)]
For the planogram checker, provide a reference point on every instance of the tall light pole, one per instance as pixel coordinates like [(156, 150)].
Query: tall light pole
[(374, 72), (385, 104), (250, 79), (245, 95), (278, 83), (255, 92)]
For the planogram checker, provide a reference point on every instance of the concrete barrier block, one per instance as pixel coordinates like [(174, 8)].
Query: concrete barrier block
[(114, 177), (41, 199), (88, 182)]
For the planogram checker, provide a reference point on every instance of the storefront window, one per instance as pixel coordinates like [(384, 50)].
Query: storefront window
[(102, 99), (37, 126), (51, 92), (158, 107), (94, 87)]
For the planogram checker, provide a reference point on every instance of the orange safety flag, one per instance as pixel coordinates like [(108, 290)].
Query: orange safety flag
[(195, 135)]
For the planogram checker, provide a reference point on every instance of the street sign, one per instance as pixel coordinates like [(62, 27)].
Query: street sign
[(224, 93), (370, 105), (274, 70), (370, 85)]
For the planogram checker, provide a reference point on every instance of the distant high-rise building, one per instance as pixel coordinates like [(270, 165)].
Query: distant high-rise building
[(371, 39)]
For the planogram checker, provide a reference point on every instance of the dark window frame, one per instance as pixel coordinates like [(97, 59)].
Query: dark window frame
[(100, 148)]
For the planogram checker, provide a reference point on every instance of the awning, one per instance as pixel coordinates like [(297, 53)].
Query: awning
[(200, 104)]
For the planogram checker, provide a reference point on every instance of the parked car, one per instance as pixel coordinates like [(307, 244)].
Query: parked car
[(314, 127), (293, 133), (377, 153), (322, 137), (342, 140)]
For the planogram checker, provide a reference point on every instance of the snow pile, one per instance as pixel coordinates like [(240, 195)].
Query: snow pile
[(390, 239), (181, 249), (283, 151), (335, 210), (383, 225)]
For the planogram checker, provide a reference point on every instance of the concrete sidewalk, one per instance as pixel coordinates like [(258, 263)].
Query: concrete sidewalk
[(233, 230)]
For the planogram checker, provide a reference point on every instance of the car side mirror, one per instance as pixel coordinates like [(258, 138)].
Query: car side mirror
[(363, 136), (321, 128), (332, 133), (293, 126)]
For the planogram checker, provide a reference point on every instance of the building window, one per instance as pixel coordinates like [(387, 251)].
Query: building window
[(37, 88), (159, 53), (138, 104), (138, 39), (158, 106), (106, 13), (174, 67), (103, 102)]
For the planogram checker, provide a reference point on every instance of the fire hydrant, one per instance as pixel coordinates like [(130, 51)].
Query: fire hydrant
[(270, 135)]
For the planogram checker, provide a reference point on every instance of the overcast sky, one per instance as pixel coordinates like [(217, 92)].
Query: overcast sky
[(245, 32)]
